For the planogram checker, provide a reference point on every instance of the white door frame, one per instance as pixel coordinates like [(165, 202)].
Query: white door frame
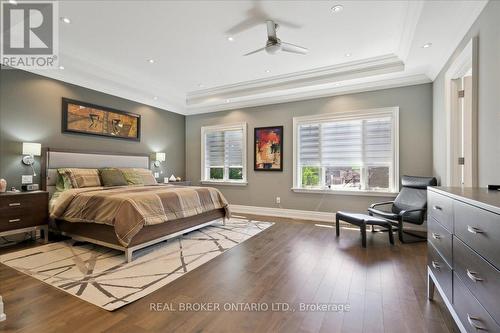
[(467, 59)]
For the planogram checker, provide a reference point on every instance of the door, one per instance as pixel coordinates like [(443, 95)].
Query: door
[(462, 131)]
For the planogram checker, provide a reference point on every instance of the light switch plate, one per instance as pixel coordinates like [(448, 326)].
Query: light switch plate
[(26, 179), (157, 175)]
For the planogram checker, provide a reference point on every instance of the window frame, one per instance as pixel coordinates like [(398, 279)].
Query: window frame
[(393, 112), (225, 181)]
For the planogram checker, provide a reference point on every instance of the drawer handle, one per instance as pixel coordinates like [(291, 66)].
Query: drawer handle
[(474, 230), (436, 207), (14, 220), (436, 236), (473, 276), (471, 319), (435, 264), (14, 204)]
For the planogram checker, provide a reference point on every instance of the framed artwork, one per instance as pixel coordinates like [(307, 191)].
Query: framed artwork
[(85, 118), (268, 145)]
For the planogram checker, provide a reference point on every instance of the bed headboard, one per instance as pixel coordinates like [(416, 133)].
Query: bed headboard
[(52, 159)]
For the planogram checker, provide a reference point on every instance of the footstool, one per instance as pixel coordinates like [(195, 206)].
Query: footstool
[(361, 220)]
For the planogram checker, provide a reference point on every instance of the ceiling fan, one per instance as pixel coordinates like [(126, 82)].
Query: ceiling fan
[(274, 44)]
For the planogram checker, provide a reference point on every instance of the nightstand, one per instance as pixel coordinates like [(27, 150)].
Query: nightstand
[(24, 212)]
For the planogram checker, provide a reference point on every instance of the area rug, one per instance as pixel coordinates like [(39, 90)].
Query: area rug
[(101, 276)]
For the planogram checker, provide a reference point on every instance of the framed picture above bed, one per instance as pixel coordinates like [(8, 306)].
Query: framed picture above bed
[(90, 119), (268, 145)]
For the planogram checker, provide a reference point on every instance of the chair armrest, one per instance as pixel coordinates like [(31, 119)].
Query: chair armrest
[(381, 204), (404, 212)]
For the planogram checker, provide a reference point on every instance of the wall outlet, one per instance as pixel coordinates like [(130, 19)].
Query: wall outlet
[(26, 179), (278, 200), (157, 175)]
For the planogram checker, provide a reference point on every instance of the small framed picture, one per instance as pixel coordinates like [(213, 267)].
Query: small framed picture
[(268, 145)]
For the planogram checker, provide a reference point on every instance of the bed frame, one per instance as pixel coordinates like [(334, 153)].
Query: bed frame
[(104, 235)]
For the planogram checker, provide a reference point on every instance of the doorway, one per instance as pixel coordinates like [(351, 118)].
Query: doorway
[(461, 86)]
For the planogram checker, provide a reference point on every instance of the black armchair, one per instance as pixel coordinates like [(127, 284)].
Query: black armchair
[(409, 206)]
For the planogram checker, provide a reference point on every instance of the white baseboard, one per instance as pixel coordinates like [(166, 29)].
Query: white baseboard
[(283, 212)]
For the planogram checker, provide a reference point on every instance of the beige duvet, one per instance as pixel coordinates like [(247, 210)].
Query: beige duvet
[(129, 208)]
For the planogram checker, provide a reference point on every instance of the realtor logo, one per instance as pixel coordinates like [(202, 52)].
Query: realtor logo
[(30, 34)]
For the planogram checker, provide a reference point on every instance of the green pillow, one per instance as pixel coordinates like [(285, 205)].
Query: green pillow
[(63, 182), (132, 176), (112, 177)]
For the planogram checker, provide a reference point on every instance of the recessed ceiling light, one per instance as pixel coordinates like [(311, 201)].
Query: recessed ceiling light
[(227, 101), (61, 67), (337, 84), (66, 20), (337, 8), (268, 71), (200, 85), (427, 45), (155, 98), (348, 55), (151, 61), (230, 38), (13, 2)]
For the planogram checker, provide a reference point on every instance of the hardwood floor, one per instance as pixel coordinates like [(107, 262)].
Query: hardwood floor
[(291, 262)]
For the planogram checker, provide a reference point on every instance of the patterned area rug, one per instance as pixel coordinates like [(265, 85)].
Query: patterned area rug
[(101, 276)]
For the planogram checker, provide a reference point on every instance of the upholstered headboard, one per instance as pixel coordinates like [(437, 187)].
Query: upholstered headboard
[(56, 158)]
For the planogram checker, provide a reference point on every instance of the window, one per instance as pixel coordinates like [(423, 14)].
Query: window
[(355, 152), (224, 154)]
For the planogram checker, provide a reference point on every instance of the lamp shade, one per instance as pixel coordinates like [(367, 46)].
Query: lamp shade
[(160, 157), (30, 148)]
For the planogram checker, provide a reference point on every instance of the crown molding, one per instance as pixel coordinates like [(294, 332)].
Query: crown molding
[(413, 12), (311, 93), (436, 68), (323, 75), (112, 80)]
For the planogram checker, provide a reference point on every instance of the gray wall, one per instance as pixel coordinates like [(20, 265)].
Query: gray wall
[(487, 27), (415, 104), (30, 111)]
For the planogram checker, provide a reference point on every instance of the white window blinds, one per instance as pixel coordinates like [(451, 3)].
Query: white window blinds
[(354, 152), (346, 143), (224, 150)]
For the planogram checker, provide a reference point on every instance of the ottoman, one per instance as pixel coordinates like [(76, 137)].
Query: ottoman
[(361, 220)]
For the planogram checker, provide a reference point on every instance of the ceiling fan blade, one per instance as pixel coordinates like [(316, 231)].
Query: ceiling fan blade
[(271, 30), (287, 23), (259, 50), (246, 24), (292, 48)]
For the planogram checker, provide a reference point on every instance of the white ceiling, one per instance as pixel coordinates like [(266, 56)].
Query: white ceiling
[(108, 43)]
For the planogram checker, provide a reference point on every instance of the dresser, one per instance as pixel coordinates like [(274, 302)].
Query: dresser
[(24, 212), (463, 262)]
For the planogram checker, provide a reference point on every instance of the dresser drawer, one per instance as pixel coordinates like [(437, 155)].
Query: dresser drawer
[(22, 201), (478, 228), (441, 270), (440, 238), (440, 207), (472, 315), (482, 279), (19, 222)]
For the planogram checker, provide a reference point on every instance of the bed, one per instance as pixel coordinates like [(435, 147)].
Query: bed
[(126, 218)]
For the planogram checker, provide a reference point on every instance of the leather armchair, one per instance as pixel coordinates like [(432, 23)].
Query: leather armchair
[(410, 206)]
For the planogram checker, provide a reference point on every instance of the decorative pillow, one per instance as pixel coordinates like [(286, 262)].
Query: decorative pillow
[(137, 176), (131, 176), (62, 183), (82, 177), (112, 177), (147, 176)]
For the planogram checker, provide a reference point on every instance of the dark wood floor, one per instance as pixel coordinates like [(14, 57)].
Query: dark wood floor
[(291, 262)]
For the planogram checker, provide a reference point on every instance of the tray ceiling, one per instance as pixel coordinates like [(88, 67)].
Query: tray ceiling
[(368, 45)]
